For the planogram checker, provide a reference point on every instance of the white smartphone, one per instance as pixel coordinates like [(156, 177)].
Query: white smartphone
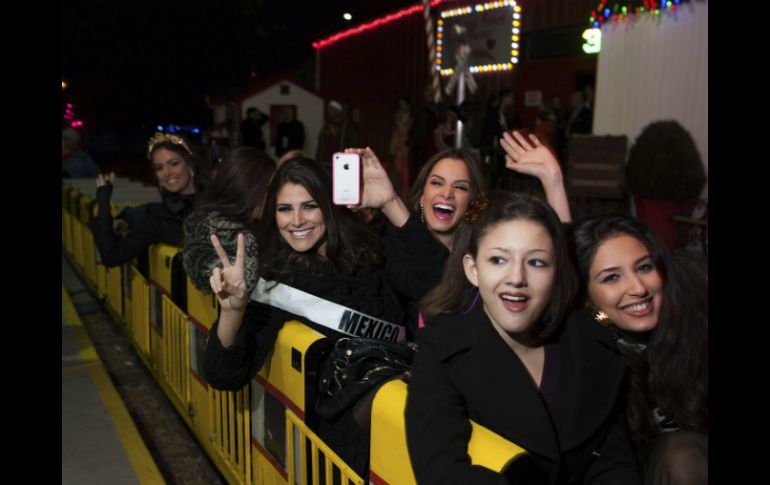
[(346, 179)]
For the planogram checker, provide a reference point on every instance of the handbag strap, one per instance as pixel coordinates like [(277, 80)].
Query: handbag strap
[(327, 313)]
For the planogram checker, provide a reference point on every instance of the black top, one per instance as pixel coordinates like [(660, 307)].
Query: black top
[(364, 290), (464, 370), (414, 263), (162, 223)]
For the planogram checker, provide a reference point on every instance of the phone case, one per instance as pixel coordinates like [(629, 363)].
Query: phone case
[(346, 179)]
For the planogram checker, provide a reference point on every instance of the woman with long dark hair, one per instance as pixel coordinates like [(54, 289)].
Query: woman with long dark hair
[(310, 250), (504, 347), (655, 305), (232, 204)]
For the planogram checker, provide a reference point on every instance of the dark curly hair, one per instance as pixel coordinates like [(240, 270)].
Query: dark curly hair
[(664, 163)]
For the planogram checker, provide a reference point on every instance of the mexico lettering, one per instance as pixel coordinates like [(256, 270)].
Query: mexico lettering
[(360, 325)]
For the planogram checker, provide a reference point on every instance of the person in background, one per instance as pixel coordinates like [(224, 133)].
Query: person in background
[(655, 306), (75, 163), (505, 347), (581, 118), (251, 128), (336, 134), (399, 144), (290, 134)]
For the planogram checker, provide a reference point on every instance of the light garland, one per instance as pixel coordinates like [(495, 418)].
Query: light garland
[(620, 11), (479, 8)]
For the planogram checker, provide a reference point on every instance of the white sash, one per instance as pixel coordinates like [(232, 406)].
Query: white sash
[(324, 312)]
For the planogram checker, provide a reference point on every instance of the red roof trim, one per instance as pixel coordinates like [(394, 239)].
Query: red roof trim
[(372, 25)]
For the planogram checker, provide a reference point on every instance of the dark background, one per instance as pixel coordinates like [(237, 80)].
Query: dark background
[(137, 63)]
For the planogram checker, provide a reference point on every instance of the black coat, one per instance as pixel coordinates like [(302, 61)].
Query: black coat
[(463, 370), (162, 223), (414, 263)]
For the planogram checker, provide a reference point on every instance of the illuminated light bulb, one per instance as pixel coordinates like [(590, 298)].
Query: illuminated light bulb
[(516, 38), (441, 22), (606, 12), (440, 29), (510, 66), (624, 10), (514, 45), (517, 8), (439, 42), (515, 61), (516, 16), (515, 53), (439, 48), (516, 23), (347, 16), (515, 31)]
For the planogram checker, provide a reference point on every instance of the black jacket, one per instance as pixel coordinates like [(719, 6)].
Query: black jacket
[(414, 263), (463, 370), (231, 368), (162, 223)]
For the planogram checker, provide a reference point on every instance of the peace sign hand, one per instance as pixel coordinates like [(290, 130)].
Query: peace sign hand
[(228, 282)]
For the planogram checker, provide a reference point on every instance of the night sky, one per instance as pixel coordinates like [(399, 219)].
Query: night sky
[(142, 62)]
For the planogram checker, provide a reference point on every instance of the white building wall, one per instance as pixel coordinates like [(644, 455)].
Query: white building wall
[(655, 69), (310, 111)]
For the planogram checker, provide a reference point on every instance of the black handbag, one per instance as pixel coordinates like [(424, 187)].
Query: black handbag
[(354, 366)]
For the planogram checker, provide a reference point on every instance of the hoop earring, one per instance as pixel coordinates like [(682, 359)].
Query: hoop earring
[(422, 213)]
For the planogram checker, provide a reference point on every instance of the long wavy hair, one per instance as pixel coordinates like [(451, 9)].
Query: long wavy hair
[(455, 293), (672, 373), (349, 243), (240, 185)]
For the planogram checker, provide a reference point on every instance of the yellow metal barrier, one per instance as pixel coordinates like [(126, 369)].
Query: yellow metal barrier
[(285, 370), (77, 240), (140, 312), (114, 297), (101, 281), (176, 341), (160, 257), (230, 425), (89, 256), (389, 457), (67, 231), (201, 306), (297, 436)]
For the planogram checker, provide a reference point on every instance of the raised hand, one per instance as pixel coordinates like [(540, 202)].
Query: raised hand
[(533, 159), (378, 191), (537, 160), (377, 187), (228, 282), (102, 180)]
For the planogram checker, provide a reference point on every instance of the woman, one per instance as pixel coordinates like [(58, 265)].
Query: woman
[(179, 180), (232, 204), (504, 349), (420, 233), (656, 307), (308, 249)]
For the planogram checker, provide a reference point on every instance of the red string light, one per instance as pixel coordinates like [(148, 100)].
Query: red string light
[(372, 25)]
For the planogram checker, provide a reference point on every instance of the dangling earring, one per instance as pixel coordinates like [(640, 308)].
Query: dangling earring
[(598, 315), (422, 213)]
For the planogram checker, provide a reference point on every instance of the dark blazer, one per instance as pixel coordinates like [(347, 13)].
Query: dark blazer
[(463, 370)]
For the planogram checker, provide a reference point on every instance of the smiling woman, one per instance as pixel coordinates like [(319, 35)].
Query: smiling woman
[(180, 178), (552, 382)]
